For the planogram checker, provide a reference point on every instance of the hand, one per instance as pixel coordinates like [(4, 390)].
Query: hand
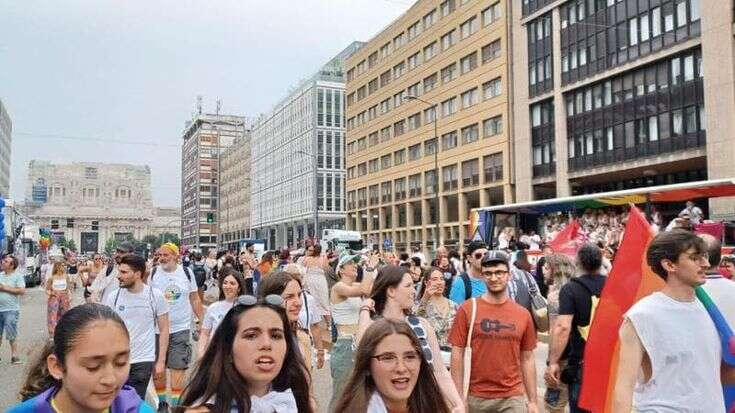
[(319, 359), (459, 409), (374, 261), (369, 303), (531, 407), (159, 370), (552, 374)]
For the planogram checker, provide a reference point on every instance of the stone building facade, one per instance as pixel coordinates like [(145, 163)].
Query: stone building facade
[(235, 195)]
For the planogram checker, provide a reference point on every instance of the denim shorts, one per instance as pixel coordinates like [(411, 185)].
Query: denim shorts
[(9, 324)]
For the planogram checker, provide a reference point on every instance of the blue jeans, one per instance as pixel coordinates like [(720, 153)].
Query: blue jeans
[(9, 324), (341, 363)]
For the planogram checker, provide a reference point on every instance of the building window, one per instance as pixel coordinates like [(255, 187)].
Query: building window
[(470, 134), (414, 121), (492, 88), (414, 152), (447, 7), (470, 98), (386, 161), (449, 140), (399, 157), (430, 182), (449, 39), (429, 51), (491, 51), (385, 134), (398, 41), (469, 27), (468, 63), (399, 128), (398, 99), (373, 166), (492, 126), (449, 106), (398, 70), (430, 115), (470, 173), (430, 147), (414, 60), (448, 73), (491, 14), (385, 78), (414, 90), (413, 31), (493, 167), (414, 185), (449, 178), (430, 82), (400, 188), (430, 19)]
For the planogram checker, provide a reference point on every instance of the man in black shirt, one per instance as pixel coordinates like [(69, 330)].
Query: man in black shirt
[(569, 332)]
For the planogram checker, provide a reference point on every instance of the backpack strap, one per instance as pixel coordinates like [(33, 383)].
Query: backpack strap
[(467, 285), (187, 271), (109, 270)]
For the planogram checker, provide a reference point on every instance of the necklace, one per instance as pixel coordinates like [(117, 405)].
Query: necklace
[(57, 410)]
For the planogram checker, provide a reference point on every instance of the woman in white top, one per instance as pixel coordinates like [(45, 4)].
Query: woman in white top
[(231, 286), (392, 297), (59, 290), (345, 298)]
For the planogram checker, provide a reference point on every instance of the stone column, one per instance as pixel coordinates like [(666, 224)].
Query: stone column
[(463, 215)]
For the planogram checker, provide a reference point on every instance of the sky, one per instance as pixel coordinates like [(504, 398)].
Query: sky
[(115, 81)]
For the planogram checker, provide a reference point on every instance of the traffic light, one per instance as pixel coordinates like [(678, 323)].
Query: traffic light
[(210, 217), (2, 220)]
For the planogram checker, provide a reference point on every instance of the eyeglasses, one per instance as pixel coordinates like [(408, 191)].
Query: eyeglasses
[(251, 300), (494, 274), (410, 359)]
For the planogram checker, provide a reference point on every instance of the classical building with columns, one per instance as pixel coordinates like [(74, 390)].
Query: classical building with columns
[(622, 94), (92, 203)]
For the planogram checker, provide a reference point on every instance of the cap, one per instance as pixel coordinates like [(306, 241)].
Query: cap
[(495, 256), (475, 245), (347, 258), (125, 246)]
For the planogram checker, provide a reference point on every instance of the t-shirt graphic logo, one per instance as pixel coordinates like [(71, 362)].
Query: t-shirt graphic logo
[(495, 326), (172, 293)]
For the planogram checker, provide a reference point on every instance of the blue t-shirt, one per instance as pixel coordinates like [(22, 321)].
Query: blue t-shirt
[(11, 302), (457, 294)]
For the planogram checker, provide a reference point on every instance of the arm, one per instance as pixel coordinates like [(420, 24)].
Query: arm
[(196, 305), (356, 290), (203, 342), (457, 368), (163, 328), (559, 338), (629, 363), (443, 378), (528, 366), (46, 289), (13, 290), (364, 321)]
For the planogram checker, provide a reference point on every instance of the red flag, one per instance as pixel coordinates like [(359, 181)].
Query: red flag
[(568, 241), (630, 279)]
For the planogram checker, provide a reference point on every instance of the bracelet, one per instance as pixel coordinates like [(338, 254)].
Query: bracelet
[(365, 308)]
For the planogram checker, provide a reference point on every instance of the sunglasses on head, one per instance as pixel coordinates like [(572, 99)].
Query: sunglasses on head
[(478, 255), (251, 300)]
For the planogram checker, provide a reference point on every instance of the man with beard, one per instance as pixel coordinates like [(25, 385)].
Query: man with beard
[(107, 281)]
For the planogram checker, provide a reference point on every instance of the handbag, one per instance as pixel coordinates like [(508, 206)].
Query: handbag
[(539, 306), (468, 353)]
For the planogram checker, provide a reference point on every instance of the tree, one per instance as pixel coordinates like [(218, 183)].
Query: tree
[(171, 237), (70, 244), (153, 240), (110, 246)]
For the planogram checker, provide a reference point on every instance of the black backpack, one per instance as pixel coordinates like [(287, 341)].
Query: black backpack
[(467, 286), (200, 272), (187, 271)]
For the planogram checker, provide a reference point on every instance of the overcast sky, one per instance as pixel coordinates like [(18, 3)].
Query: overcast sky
[(75, 72)]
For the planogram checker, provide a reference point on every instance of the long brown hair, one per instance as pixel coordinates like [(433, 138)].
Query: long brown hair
[(426, 395), (389, 276)]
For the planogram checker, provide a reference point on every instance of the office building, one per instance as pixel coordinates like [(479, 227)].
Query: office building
[(297, 171), (622, 94), (205, 138), (452, 56), (6, 129), (235, 196)]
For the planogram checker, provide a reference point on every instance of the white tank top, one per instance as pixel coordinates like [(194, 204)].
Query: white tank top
[(58, 285), (684, 348), (347, 312)]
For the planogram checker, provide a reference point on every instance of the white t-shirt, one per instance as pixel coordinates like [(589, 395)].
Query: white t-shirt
[(176, 288), (685, 352), (137, 311), (214, 315), (314, 317)]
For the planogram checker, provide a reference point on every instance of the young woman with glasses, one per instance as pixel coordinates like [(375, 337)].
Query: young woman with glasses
[(392, 297), (252, 364), (391, 374)]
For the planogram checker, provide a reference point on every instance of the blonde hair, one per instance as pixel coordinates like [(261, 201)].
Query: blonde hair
[(562, 268), (58, 269)]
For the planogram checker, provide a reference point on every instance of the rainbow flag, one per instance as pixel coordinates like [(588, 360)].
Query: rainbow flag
[(629, 280)]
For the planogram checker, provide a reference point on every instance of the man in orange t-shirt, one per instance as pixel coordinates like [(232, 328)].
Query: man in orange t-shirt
[(503, 368)]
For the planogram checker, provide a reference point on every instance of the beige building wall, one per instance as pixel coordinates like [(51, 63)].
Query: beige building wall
[(407, 221), (235, 196)]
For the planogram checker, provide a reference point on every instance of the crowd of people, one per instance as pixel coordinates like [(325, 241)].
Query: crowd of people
[(236, 333)]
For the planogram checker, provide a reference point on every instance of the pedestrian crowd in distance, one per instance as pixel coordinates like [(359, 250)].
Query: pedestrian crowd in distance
[(401, 333)]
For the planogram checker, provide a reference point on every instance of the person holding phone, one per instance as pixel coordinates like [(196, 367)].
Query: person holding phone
[(438, 310)]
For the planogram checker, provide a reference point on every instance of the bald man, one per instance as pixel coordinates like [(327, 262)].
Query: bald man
[(719, 288)]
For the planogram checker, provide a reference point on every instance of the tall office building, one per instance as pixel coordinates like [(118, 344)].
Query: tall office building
[(298, 159), (451, 56), (622, 94), (6, 129), (235, 195), (205, 138)]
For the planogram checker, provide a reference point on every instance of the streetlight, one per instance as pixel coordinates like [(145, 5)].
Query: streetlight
[(436, 165), (316, 196)]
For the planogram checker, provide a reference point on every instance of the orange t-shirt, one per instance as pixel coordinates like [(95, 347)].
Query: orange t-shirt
[(500, 333)]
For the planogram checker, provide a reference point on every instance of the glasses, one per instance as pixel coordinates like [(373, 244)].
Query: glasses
[(410, 359), (251, 300), (494, 274)]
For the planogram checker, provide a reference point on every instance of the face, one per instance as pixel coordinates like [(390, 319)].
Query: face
[(127, 276), (729, 267), (119, 254), (166, 256), (547, 273), (96, 367), (6, 265), (230, 287), (251, 249), (292, 300), (444, 262), (404, 294), (395, 367), (475, 259), (259, 347), (436, 283), (496, 277), (689, 268), (349, 269)]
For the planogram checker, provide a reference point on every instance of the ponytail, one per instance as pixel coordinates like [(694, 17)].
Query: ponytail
[(39, 379)]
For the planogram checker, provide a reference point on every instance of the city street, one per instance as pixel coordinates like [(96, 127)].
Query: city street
[(32, 335)]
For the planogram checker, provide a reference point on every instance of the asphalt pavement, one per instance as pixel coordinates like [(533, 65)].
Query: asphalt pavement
[(32, 337)]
